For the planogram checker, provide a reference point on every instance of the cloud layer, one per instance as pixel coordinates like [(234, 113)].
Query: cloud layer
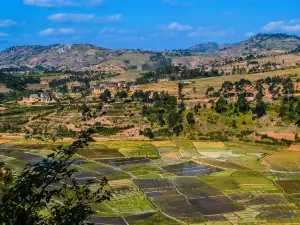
[(7, 23), (62, 3), (77, 18), (206, 32), (59, 31), (175, 26), (291, 26)]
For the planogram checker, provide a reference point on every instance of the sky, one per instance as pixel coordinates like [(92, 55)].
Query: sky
[(143, 24)]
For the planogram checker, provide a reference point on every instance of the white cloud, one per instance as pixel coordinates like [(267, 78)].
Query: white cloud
[(64, 17), (60, 31), (7, 23), (295, 21), (114, 18), (291, 26), (110, 30), (77, 18), (178, 2), (272, 26), (205, 32), (3, 34), (61, 3), (175, 26), (249, 34)]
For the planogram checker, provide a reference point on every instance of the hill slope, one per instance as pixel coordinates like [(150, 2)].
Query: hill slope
[(264, 43), (78, 56), (59, 56)]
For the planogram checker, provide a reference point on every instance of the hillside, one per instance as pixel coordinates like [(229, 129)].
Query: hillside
[(262, 43), (59, 56), (81, 56)]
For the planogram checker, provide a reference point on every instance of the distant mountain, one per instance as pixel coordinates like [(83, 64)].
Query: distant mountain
[(73, 56), (81, 56), (205, 47), (256, 44), (264, 43)]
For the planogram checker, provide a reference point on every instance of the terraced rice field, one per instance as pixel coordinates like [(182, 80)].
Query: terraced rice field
[(181, 182)]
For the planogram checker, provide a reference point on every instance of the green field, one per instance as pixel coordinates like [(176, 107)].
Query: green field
[(146, 192)]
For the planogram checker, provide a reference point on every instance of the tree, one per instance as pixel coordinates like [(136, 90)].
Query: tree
[(288, 87), (208, 90), (197, 108), (178, 129), (180, 88), (298, 108), (35, 199), (190, 118), (173, 118), (181, 107), (100, 107), (259, 96), (161, 118), (84, 108), (122, 94), (242, 103), (221, 105), (105, 95), (260, 108), (227, 86), (148, 133)]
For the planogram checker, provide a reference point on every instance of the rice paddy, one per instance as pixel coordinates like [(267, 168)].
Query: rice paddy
[(181, 182)]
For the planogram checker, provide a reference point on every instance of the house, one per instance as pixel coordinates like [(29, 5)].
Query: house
[(97, 89), (122, 84), (31, 98), (45, 97)]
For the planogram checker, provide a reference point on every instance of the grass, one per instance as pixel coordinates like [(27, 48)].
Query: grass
[(284, 161), (145, 171), (187, 148), (155, 220)]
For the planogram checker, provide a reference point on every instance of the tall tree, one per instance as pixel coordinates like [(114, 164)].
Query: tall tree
[(190, 118), (180, 88), (242, 103), (221, 105), (105, 95)]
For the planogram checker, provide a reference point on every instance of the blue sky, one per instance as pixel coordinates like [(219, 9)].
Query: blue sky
[(145, 24)]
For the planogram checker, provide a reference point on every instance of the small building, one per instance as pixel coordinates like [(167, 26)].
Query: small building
[(31, 98), (45, 97), (122, 84), (98, 89)]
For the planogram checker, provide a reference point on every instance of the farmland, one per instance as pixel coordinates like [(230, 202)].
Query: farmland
[(206, 183)]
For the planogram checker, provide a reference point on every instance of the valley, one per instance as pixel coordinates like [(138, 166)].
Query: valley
[(208, 135)]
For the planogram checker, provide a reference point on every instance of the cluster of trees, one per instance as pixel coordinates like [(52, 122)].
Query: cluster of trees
[(238, 88), (176, 73), (16, 82), (289, 108), (166, 113)]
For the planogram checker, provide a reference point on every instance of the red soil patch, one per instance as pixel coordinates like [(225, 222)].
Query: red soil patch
[(12, 136), (294, 148), (287, 136), (72, 127)]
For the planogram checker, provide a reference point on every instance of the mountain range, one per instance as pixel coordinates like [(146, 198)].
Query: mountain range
[(79, 56)]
